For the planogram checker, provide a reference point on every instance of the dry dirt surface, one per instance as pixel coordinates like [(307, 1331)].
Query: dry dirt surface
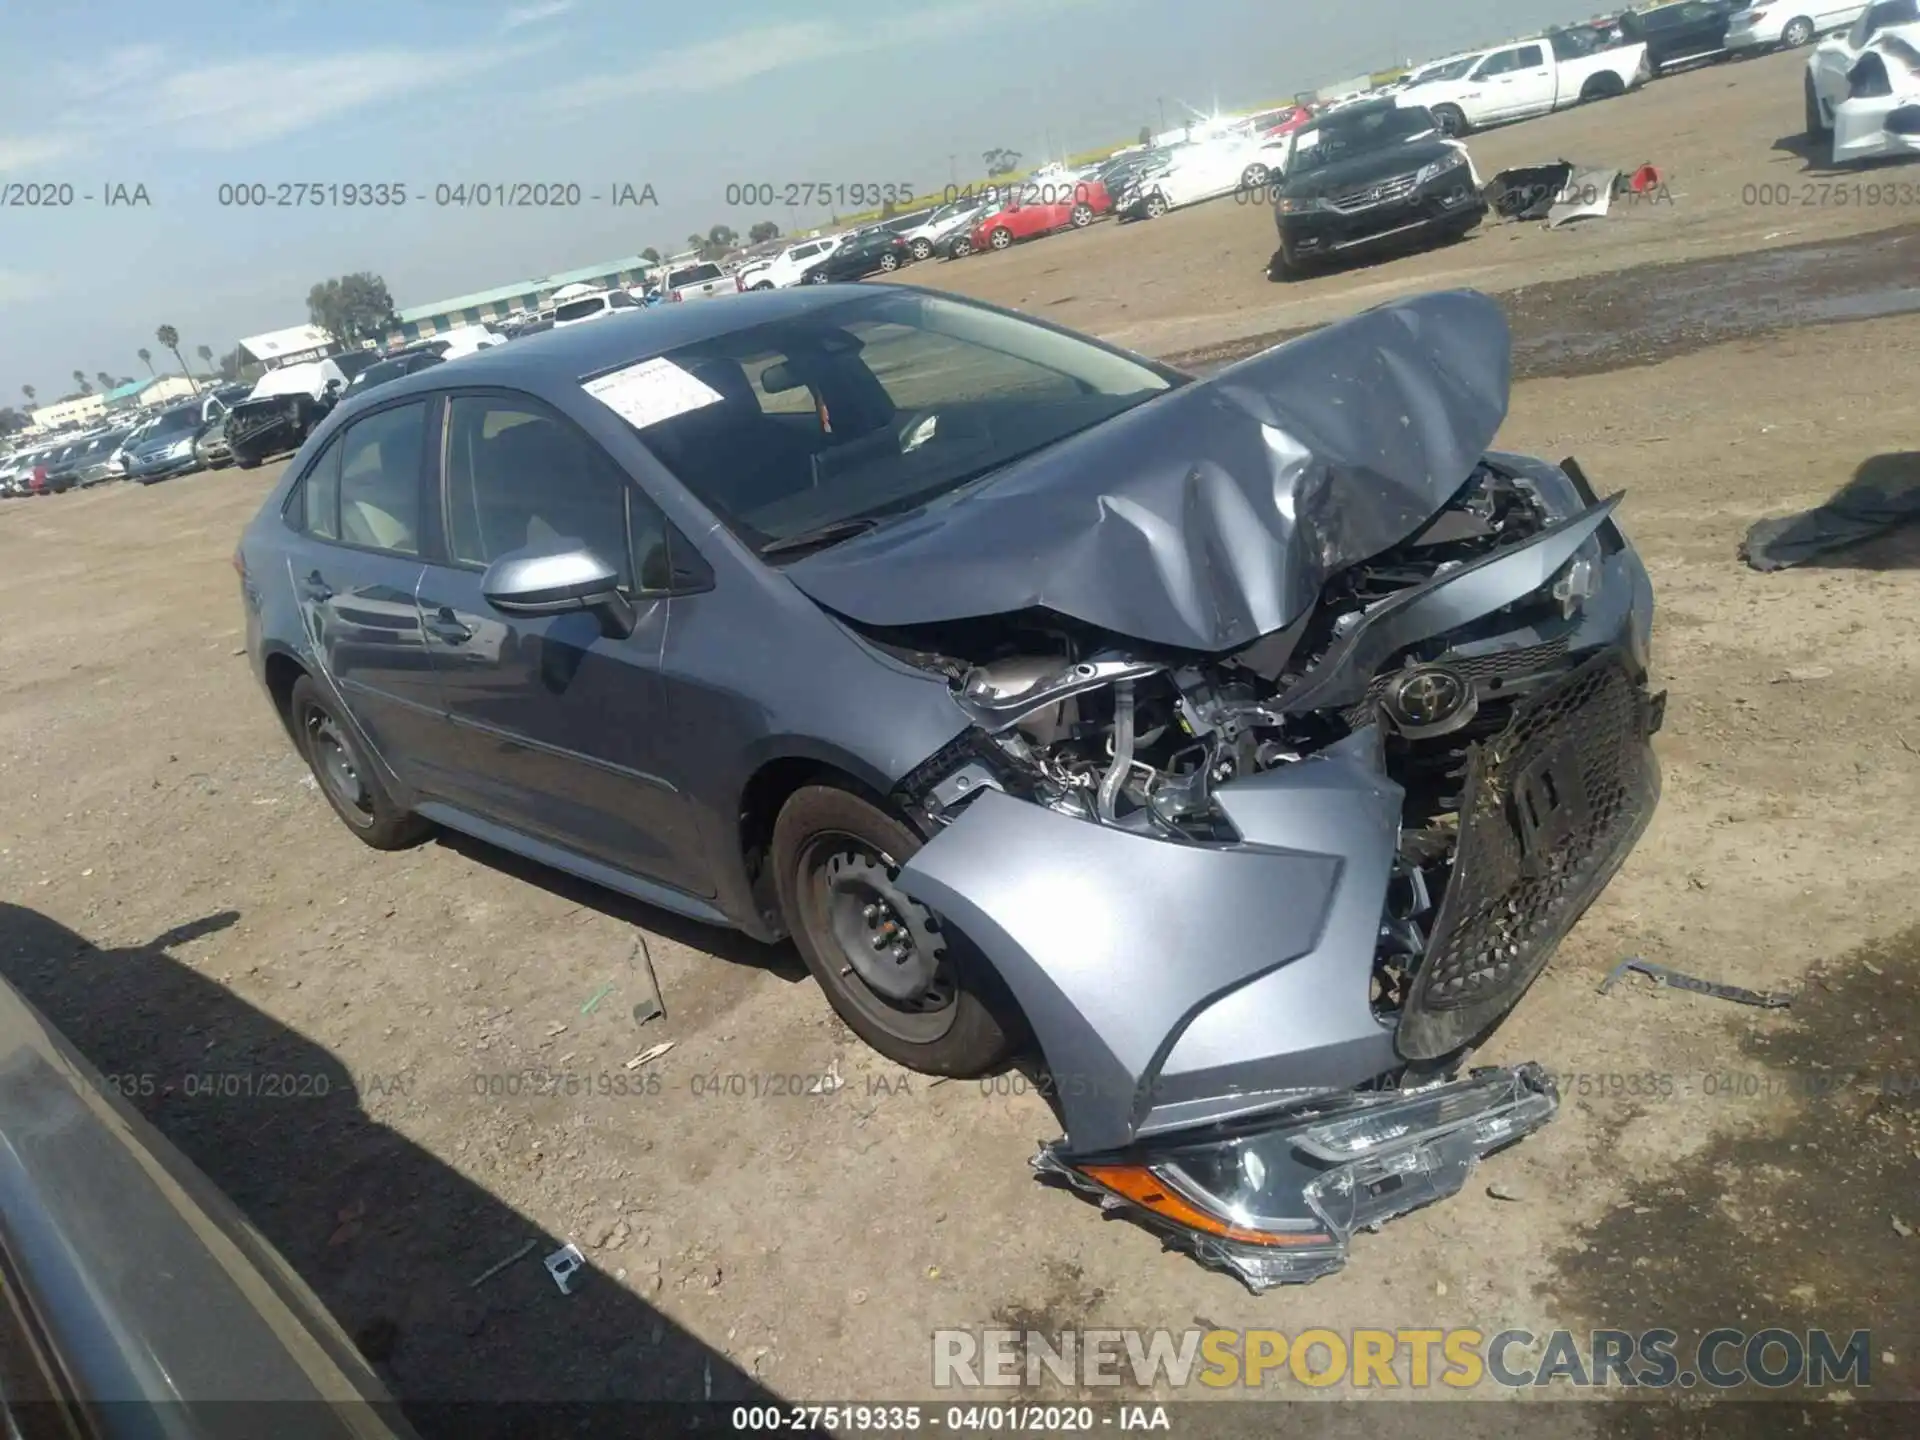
[(771, 1209)]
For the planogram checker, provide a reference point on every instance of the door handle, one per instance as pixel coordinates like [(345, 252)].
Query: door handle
[(443, 624), (315, 587)]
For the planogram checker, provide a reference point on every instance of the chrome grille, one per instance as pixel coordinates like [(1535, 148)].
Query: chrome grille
[(1383, 192)]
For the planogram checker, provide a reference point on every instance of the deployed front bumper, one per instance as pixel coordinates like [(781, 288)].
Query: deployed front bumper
[(1876, 128)]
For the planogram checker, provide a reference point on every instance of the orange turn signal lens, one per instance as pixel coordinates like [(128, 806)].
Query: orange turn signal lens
[(1139, 1184)]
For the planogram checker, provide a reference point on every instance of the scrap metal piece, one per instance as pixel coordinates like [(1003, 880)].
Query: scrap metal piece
[(565, 1263), (493, 1270), (1587, 195), (1674, 979)]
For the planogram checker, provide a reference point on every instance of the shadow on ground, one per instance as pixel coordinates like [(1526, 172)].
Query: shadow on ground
[(1871, 523), (1808, 1220), (386, 1234)]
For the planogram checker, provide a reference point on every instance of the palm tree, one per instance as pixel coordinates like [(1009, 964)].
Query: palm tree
[(80, 382), (170, 337), (147, 355), (107, 381), (29, 392), (205, 352)]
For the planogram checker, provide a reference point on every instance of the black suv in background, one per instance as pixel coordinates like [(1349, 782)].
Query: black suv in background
[(1692, 32), (1371, 175)]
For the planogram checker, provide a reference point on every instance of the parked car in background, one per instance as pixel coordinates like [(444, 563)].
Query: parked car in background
[(1190, 174), (874, 253), (89, 460), (1532, 77), (588, 303), (392, 368), (788, 266), (924, 239), (211, 447), (136, 1289), (1788, 24), (1369, 176), (702, 281), (166, 447), (1689, 32), (286, 404), (1035, 210), (1863, 87)]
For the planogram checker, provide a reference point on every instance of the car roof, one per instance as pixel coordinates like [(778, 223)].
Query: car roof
[(572, 353)]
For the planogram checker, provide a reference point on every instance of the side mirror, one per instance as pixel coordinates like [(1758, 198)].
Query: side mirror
[(558, 585)]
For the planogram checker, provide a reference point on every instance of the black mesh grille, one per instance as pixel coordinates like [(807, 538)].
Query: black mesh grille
[(1552, 806)]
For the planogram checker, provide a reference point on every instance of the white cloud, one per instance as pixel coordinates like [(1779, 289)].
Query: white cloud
[(522, 15), (26, 152), (748, 54)]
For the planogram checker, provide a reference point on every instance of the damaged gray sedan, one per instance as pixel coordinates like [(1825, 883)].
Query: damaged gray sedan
[(1244, 746)]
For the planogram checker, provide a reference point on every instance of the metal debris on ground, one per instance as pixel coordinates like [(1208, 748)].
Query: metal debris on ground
[(652, 1007), (1674, 979), (565, 1263), (493, 1270), (649, 1055)]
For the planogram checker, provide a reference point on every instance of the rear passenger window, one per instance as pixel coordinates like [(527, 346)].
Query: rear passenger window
[(320, 496), (380, 461)]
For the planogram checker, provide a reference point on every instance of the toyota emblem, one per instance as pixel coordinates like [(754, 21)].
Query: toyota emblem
[(1431, 700)]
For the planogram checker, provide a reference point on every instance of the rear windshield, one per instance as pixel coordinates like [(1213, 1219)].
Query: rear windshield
[(693, 275), (580, 309)]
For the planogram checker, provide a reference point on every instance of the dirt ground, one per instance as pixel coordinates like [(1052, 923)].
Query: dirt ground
[(769, 1204)]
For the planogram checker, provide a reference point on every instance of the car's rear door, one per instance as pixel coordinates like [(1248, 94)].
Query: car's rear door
[(354, 564), (558, 728)]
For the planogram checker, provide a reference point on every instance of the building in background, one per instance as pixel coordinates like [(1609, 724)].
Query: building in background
[(81, 410), (422, 322), (291, 346), (149, 394)]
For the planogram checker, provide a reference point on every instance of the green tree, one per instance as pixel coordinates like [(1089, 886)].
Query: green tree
[(763, 231), (107, 382), (29, 392), (352, 308), (205, 352), (231, 364), (1001, 162), (170, 337), (80, 382), (146, 356), (650, 255), (12, 420)]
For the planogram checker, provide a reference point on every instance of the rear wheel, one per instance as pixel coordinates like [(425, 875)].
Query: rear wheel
[(906, 985), (921, 249), (1253, 177), (1799, 32), (1605, 86), (1081, 217), (1156, 205), (1001, 238), (889, 261), (816, 277), (346, 775), (961, 248), (1451, 119), (764, 285)]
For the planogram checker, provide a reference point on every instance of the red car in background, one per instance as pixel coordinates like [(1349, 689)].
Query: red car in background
[(1039, 208), (1283, 122)]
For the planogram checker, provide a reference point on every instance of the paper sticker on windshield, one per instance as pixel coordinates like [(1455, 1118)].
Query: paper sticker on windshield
[(650, 392)]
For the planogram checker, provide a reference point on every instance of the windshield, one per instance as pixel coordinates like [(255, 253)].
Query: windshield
[(693, 275), (378, 375), (579, 309), (175, 422), (1345, 134), (876, 405)]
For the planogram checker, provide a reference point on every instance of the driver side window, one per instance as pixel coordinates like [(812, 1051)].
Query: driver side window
[(522, 478)]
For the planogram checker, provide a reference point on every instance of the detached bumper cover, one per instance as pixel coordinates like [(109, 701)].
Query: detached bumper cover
[(1876, 128), (1279, 1204)]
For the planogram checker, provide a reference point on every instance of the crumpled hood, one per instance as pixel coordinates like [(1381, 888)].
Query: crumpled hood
[(1214, 514)]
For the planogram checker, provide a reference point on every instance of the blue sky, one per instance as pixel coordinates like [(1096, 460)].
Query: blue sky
[(184, 97)]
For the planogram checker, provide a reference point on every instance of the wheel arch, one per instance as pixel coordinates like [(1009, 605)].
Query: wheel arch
[(781, 769)]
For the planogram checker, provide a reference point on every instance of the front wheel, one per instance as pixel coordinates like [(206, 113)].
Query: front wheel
[(816, 277), (1799, 32), (1253, 177), (1451, 119), (1156, 205), (921, 249), (1081, 217), (764, 285), (345, 773), (1001, 238), (903, 982), (961, 249), (889, 262)]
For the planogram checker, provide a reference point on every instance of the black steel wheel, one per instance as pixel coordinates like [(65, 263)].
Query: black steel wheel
[(346, 776), (901, 979)]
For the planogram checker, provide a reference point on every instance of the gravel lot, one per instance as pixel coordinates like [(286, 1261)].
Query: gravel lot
[(186, 906)]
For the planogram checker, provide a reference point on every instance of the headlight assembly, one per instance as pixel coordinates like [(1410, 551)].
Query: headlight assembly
[(1278, 1202), (1440, 167)]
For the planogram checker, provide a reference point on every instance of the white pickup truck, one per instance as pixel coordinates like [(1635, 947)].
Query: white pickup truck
[(1530, 77)]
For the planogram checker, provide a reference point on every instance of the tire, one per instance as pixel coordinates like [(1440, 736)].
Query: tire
[(1280, 269), (1602, 87), (348, 780), (960, 250), (1799, 32), (248, 464), (1001, 238), (816, 277), (1452, 121), (889, 263), (1155, 207), (1816, 120), (1080, 217), (764, 285), (1253, 177), (835, 858), (920, 249)]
